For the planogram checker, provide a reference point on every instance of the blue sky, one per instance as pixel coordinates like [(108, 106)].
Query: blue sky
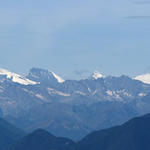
[(74, 38)]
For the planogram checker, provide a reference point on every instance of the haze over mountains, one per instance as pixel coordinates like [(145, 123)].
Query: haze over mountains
[(9, 134), (71, 108), (132, 135)]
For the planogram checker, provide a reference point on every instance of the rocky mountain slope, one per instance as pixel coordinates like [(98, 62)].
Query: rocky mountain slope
[(70, 108)]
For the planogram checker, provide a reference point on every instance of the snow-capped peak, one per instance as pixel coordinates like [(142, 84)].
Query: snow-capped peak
[(96, 75), (59, 79), (44, 75), (144, 78), (16, 78)]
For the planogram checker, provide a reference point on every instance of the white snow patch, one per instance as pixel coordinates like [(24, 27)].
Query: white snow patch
[(124, 93), (109, 93), (94, 92), (89, 90), (61, 93), (144, 78), (81, 93), (28, 91), (59, 79), (9, 102), (96, 75), (113, 94), (39, 96), (1, 89), (16, 78), (141, 94), (52, 91)]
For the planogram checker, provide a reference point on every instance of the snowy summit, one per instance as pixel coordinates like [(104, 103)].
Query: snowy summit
[(144, 78), (44, 75), (96, 75), (16, 78)]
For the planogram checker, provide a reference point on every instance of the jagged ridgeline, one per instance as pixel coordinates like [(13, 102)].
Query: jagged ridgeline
[(71, 108)]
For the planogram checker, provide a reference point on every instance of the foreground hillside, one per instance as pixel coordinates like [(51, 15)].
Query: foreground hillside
[(42, 140), (9, 134), (133, 135)]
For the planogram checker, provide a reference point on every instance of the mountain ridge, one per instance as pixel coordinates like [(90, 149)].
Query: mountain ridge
[(103, 102), (132, 135)]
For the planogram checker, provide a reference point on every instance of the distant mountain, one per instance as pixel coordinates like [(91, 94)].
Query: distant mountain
[(144, 78), (42, 140), (133, 135), (96, 75), (9, 134), (63, 107), (44, 76), (5, 74)]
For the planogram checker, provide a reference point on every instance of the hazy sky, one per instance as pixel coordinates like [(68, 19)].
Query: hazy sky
[(74, 37)]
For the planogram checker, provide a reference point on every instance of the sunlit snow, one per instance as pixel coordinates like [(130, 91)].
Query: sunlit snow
[(59, 79), (144, 78), (16, 78), (96, 75)]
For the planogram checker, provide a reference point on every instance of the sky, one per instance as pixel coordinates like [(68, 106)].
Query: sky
[(73, 38)]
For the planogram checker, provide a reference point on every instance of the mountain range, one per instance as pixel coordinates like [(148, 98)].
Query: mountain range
[(132, 135), (71, 108)]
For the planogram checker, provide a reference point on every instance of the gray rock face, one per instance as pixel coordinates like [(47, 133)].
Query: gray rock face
[(71, 108)]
